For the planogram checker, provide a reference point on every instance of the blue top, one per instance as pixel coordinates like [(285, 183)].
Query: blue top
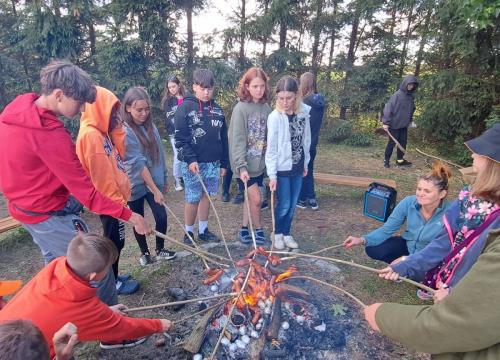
[(135, 160), (418, 232)]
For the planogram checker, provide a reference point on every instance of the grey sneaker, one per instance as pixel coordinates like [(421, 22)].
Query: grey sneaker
[(301, 204), (146, 259), (313, 204), (208, 236), (178, 184), (165, 254)]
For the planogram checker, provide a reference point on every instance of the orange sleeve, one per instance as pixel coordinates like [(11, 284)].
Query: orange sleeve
[(102, 324)]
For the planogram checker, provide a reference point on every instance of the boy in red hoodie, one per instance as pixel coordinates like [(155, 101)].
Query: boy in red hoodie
[(62, 292), (39, 167)]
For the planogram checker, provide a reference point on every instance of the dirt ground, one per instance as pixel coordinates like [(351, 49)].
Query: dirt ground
[(340, 215)]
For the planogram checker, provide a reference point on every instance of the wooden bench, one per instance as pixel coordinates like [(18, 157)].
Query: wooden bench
[(8, 223), (323, 178)]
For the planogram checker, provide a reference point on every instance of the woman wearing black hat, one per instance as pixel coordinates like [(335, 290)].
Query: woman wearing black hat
[(467, 222)]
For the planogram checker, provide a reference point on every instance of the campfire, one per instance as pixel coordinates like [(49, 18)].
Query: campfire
[(256, 322)]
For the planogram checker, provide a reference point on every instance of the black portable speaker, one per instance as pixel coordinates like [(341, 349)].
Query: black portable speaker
[(380, 200)]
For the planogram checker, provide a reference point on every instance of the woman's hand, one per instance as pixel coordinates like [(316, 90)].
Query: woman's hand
[(272, 184), (244, 176), (223, 172), (440, 294), (158, 195), (353, 241), (388, 274), (304, 174)]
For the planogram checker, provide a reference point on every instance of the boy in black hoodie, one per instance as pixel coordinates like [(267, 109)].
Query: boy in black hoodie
[(202, 145), (398, 115)]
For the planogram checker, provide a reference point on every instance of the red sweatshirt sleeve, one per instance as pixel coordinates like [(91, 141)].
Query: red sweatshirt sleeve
[(102, 324), (58, 154)]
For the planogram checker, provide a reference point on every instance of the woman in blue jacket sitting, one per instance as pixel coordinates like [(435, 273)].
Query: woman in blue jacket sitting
[(422, 213)]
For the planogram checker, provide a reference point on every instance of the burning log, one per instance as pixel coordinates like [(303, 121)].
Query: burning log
[(195, 340), (274, 326), (284, 290)]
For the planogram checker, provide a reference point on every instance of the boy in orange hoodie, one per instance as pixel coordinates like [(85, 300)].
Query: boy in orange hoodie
[(62, 293), (100, 146)]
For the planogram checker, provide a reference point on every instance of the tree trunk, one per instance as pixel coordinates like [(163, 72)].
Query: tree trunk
[(264, 41), (242, 36), (190, 49), (283, 31), (349, 64), (317, 33), (423, 41), (23, 55), (405, 41), (332, 39)]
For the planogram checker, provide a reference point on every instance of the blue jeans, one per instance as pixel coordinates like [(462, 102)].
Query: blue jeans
[(307, 191), (288, 191)]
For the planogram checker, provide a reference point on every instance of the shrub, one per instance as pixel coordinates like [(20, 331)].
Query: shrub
[(341, 130), (359, 140)]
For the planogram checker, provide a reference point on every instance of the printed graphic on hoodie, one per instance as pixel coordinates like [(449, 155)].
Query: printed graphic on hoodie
[(297, 126), (256, 139)]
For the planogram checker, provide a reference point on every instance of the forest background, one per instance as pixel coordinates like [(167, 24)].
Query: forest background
[(359, 49)]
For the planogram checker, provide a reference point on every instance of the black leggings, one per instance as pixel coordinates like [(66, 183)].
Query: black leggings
[(160, 215), (114, 230), (389, 250), (226, 182), (401, 135)]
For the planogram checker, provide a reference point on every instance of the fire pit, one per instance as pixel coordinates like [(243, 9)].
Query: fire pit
[(276, 317)]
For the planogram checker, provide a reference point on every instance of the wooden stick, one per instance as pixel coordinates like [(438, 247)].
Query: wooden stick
[(326, 249), (273, 222), (158, 306), (216, 216), (438, 158), (198, 313), (249, 215), (395, 141), (332, 286), (231, 313), (203, 254), (185, 232), (350, 263)]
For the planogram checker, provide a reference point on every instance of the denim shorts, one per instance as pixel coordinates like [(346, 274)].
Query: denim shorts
[(209, 172)]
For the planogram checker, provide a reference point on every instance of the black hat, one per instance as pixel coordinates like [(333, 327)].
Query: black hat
[(488, 144)]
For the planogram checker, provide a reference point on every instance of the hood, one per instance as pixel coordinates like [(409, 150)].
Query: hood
[(191, 97), (408, 80), (23, 112), (316, 101), (98, 114)]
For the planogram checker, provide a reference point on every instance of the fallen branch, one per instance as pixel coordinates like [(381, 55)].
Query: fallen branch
[(216, 216), (222, 333), (351, 263), (185, 232), (332, 286), (198, 313), (438, 158), (159, 306)]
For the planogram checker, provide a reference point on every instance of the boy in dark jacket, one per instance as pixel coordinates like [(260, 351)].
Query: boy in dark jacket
[(202, 145), (398, 115)]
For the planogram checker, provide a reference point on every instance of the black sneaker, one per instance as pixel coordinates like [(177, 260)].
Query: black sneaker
[(225, 197), (264, 205), (187, 240), (165, 254), (146, 259), (403, 162), (302, 204), (239, 198), (386, 164), (208, 236), (122, 344), (313, 204)]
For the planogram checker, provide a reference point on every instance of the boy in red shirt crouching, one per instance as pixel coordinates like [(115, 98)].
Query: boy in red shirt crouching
[(62, 292)]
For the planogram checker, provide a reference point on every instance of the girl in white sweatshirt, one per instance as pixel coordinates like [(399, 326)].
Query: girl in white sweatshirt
[(287, 155)]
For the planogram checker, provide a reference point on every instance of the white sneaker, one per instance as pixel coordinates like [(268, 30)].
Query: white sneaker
[(278, 242), (178, 184), (290, 242)]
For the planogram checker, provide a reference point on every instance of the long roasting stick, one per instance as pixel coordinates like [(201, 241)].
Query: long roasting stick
[(231, 313), (332, 286), (249, 215), (185, 232), (198, 313), (326, 249), (158, 306), (216, 216), (350, 263)]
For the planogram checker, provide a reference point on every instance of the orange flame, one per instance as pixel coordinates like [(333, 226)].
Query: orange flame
[(288, 273)]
